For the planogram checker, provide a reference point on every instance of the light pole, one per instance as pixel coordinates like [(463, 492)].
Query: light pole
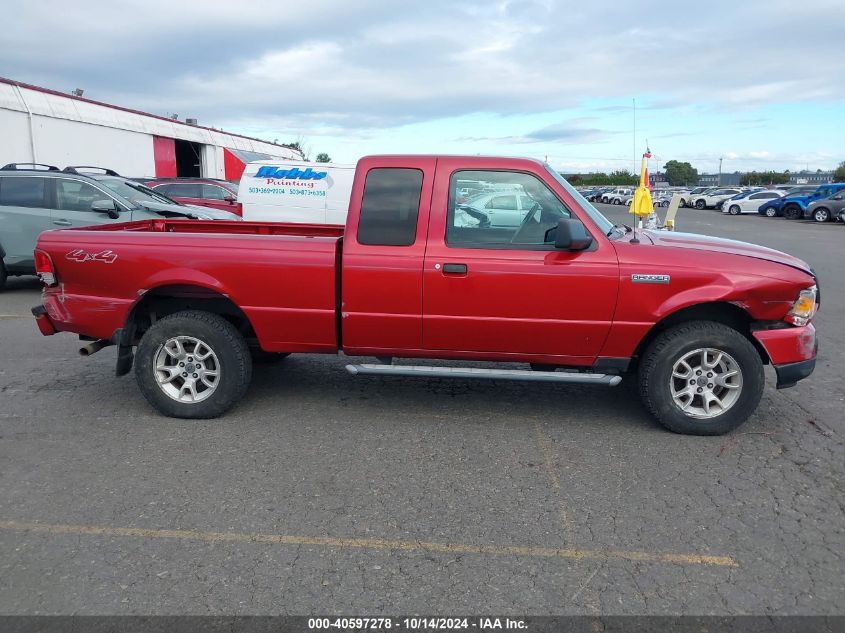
[(720, 171)]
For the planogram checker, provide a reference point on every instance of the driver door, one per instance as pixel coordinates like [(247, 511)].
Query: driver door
[(507, 290), (73, 204)]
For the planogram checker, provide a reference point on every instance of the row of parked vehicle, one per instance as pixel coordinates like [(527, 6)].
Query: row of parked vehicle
[(822, 203), (35, 198)]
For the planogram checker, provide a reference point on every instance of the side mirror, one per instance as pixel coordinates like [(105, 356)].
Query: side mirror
[(106, 206), (571, 235), (230, 199)]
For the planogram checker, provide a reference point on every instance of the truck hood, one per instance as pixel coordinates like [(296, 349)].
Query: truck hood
[(672, 239)]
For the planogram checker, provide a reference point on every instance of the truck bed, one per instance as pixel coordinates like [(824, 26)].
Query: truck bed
[(281, 276), (218, 227)]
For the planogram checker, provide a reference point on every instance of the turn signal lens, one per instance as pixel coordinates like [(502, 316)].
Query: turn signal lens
[(804, 307), (44, 268)]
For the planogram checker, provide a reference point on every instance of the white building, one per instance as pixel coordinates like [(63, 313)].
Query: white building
[(45, 126)]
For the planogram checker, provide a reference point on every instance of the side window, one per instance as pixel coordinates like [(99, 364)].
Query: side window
[(470, 224), (213, 192), (390, 207), (73, 195), (23, 191)]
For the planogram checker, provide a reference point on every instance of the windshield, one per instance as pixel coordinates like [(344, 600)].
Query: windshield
[(135, 192), (601, 222)]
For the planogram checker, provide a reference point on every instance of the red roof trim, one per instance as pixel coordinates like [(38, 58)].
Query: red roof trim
[(48, 91)]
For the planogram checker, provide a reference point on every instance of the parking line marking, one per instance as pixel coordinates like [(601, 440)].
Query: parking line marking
[(368, 543), (545, 444), (15, 316)]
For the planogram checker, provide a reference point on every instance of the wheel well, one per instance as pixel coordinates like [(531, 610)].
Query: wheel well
[(165, 300), (721, 312)]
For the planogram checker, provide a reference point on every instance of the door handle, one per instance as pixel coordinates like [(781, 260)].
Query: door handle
[(62, 222), (454, 269)]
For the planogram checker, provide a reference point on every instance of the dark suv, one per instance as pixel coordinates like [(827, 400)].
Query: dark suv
[(205, 192)]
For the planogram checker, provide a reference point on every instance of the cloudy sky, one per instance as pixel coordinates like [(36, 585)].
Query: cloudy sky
[(759, 83)]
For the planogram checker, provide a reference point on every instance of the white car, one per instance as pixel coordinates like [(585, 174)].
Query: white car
[(688, 197), (750, 202), (506, 208), (617, 196), (711, 199)]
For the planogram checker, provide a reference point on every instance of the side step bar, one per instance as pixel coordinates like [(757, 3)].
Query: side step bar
[(422, 371)]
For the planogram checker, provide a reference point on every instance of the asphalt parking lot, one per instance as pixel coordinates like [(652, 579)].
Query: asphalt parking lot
[(324, 493)]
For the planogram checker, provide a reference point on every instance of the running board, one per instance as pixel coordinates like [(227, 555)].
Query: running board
[(423, 371)]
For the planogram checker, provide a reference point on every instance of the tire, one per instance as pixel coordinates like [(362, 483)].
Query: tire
[(792, 212), (734, 209), (682, 204), (3, 275), (771, 212), (688, 341), (699, 204), (229, 357), (821, 215)]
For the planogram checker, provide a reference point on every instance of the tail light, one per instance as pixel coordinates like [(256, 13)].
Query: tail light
[(44, 268), (239, 209)]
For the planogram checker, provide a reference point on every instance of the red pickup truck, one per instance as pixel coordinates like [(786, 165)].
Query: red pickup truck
[(419, 272)]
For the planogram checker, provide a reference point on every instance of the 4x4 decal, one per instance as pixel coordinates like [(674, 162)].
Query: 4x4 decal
[(79, 255)]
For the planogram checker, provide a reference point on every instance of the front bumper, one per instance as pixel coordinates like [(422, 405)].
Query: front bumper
[(792, 351), (790, 373)]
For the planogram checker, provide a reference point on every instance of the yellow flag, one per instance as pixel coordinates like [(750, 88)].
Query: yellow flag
[(641, 205)]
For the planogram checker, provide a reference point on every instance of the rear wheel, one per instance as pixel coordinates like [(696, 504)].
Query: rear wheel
[(3, 275), (821, 215), (683, 203), (701, 378), (193, 364), (734, 210)]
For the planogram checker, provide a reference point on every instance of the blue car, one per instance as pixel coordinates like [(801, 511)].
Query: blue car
[(774, 208), (795, 205)]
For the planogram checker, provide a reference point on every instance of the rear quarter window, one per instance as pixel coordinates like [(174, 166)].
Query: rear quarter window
[(390, 207), (23, 191)]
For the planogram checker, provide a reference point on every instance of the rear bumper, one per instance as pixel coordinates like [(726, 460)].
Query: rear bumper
[(792, 351), (42, 320)]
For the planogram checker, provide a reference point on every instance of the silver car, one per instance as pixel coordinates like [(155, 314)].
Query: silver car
[(35, 198)]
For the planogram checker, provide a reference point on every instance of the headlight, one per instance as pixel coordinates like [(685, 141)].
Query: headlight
[(804, 307)]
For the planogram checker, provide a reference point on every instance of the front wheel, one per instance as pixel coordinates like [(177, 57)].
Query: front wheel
[(2, 274), (821, 215), (734, 210), (792, 212), (701, 378), (699, 204), (193, 364), (771, 213)]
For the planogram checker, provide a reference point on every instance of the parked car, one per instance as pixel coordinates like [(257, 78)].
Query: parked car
[(35, 198), (794, 205), (711, 199), (503, 208), (203, 192), (617, 196), (688, 199), (826, 209), (774, 208), (696, 317), (749, 201)]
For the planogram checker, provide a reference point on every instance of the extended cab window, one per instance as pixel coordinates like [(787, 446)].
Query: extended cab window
[(23, 191), (390, 207), (495, 219), (213, 192)]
